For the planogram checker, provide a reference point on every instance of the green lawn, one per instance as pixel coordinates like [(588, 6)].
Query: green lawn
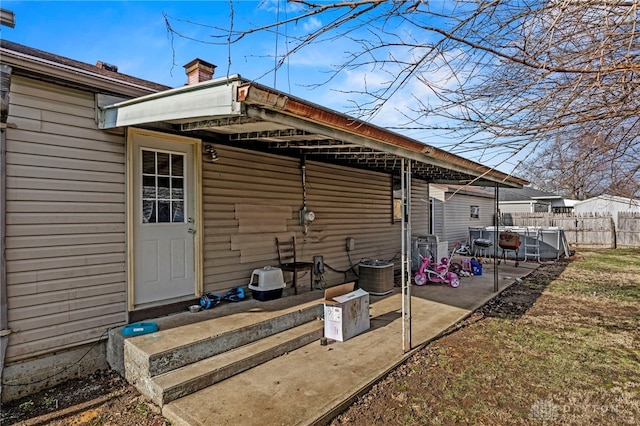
[(572, 357)]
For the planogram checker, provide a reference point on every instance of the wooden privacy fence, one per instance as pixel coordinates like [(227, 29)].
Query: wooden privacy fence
[(628, 231), (585, 230)]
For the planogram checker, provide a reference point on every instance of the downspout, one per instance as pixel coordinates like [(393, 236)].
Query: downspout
[(5, 83)]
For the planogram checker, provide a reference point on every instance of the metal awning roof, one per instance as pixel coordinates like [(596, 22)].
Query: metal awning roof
[(241, 113)]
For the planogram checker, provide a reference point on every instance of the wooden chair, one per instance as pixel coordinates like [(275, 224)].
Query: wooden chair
[(289, 261)]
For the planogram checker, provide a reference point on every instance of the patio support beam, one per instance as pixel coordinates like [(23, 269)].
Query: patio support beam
[(258, 96), (422, 156), (405, 182), (496, 223)]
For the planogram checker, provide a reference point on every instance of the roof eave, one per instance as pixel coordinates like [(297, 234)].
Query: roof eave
[(258, 95), (24, 63)]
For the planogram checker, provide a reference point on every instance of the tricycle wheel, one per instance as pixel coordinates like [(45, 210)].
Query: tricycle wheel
[(420, 279), (454, 280)]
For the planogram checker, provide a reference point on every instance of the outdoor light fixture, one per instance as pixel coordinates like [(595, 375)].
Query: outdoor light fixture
[(212, 154)]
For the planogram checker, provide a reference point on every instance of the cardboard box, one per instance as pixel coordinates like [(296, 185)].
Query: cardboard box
[(346, 312)]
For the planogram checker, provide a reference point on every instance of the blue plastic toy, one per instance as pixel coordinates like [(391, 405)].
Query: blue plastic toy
[(139, 328)]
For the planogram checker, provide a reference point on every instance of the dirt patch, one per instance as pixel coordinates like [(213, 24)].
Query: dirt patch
[(104, 399)]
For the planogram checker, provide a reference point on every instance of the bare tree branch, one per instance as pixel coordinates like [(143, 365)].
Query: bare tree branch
[(555, 79)]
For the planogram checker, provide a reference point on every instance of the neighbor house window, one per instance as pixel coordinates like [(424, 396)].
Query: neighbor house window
[(475, 212), (562, 209)]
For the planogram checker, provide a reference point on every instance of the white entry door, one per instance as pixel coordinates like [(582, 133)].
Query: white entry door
[(163, 216)]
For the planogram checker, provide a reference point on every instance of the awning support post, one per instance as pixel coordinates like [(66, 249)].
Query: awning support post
[(496, 222), (406, 254)]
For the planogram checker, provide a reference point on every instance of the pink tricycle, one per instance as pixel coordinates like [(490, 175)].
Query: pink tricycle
[(437, 272)]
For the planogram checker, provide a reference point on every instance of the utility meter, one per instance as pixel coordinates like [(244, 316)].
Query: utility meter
[(306, 217), (309, 217)]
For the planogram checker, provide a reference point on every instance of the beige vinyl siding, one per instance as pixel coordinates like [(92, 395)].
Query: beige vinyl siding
[(65, 221), (347, 203), (452, 213), (458, 216)]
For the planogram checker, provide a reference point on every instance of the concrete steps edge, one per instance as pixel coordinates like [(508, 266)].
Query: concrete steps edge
[(181, 356), (184, 381)]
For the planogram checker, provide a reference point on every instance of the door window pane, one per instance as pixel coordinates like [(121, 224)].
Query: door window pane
[(148, 211), (177, 191), (162, 187), (148, 162), (177, 211), (475, 212), (163, 163), (148, 187), (164, 211), (177, 165)]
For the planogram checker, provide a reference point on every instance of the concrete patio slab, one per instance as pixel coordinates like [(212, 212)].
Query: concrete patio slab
[(311, 385)]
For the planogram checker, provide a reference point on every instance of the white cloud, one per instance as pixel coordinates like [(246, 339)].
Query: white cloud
[(278, 6), (311, 24)]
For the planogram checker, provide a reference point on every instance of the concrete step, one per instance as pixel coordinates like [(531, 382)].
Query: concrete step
[(194, 377), (149, 356)]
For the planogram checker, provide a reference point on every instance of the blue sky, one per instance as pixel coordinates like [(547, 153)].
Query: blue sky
[(133, 36), (130, 34)]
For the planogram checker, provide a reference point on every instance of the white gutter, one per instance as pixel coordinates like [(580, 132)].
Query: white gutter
[(518, 202), (187, 103)]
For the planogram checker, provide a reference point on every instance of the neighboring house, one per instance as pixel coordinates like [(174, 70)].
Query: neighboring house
[(605, 205), (530, 200), (123, 199), (457, 208)]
